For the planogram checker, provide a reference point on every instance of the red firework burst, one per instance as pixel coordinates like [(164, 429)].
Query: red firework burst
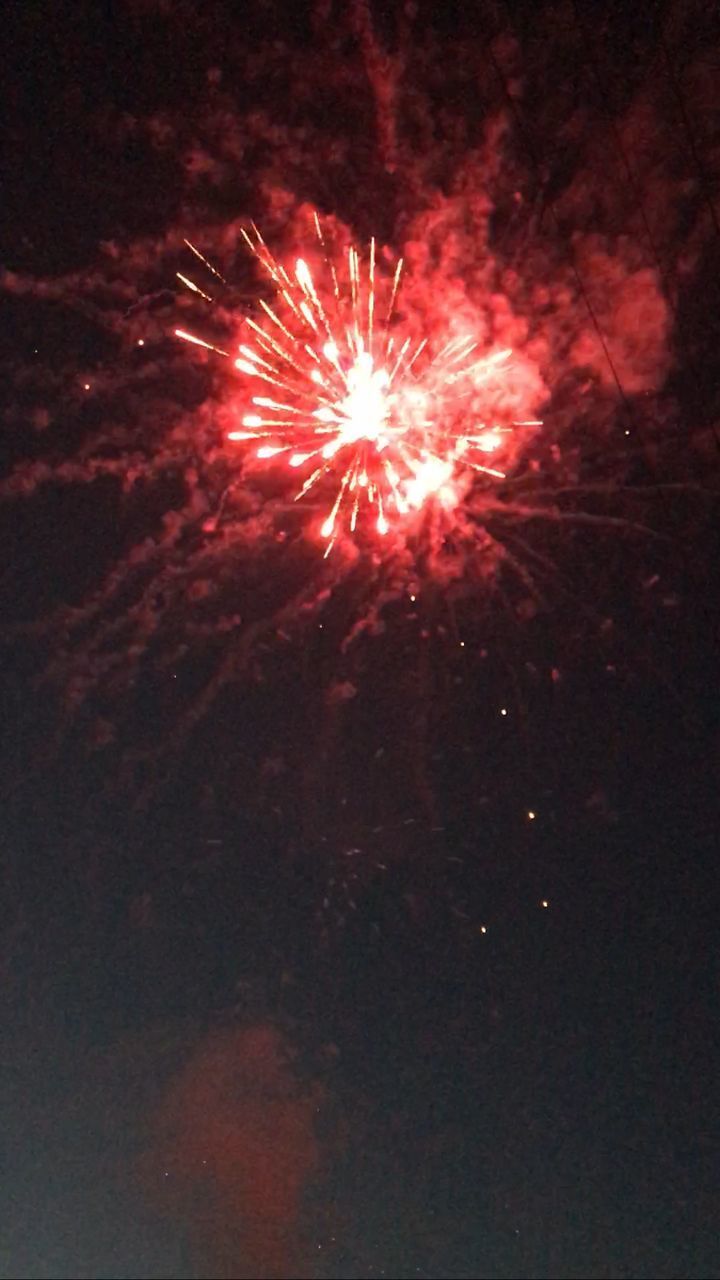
[(363, 411)]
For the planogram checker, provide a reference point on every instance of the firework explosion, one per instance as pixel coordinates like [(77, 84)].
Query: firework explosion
[(386, 411), (353, 402), (379, 407), (196, 541)]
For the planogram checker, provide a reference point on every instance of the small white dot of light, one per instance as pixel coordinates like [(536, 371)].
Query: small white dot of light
[(627, 433), (531, 815), (503, 711), (462, 644), (483, 929), (141, 342), (544, 902), (86, 385), (413, 598)]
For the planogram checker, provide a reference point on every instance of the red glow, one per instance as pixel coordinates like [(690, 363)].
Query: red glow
[(371, 417), (235, 1150)]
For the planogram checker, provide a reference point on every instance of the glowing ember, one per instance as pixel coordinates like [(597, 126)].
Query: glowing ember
[(357, 406)]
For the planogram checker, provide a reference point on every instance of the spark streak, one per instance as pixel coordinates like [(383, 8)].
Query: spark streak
[(369, 413)]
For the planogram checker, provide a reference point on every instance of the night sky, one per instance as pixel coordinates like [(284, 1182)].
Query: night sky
[(396, 954)]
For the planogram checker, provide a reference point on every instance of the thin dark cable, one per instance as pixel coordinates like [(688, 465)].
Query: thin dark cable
[(593, 62), (704, 180), (551, 205), (637, 195), (534, 160)]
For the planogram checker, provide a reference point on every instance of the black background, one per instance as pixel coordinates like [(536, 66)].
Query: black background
[(538, 1099)]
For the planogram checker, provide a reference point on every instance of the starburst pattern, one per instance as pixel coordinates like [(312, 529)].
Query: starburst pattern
[(335, 389)]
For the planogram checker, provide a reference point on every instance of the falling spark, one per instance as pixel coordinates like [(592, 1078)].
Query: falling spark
[(369, 415), (199, 342), (204, 261), (192, 286)]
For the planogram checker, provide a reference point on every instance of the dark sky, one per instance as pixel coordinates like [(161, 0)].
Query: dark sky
[(420, 981)]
